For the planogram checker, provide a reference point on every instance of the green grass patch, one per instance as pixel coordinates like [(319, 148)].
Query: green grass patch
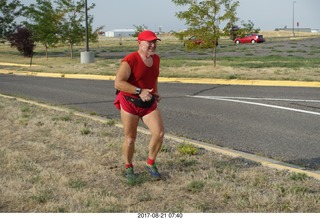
[(272, 61), (188, 149)]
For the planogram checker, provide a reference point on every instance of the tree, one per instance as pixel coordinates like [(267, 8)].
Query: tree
[(204, 19), (234, 32), (44, 23), (22, 39), (71, 27), (249, 27), (139, 29), (246, 29), (8, 13)]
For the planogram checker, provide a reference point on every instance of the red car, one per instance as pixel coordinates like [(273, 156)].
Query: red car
[(250, 38)]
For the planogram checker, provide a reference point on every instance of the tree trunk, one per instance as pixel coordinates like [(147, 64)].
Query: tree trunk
[(71, 51), (46, 51), (215, 56)]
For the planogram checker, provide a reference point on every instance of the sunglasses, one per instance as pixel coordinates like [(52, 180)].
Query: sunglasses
[(150, 43)]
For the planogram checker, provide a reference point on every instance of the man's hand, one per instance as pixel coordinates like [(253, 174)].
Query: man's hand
[(146, 94)]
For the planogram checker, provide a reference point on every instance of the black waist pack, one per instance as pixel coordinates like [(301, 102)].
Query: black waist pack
[(139, 102)]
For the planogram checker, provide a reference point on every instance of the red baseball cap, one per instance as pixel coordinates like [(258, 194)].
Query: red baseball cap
[(147, 35)]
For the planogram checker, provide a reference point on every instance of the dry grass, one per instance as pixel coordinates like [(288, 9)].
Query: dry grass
[(54, 161)]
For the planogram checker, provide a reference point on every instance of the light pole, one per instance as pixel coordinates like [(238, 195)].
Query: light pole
[(87, 56), (293, 17), (87, 29)]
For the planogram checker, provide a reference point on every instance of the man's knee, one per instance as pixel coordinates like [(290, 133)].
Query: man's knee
[(130, 140), (159, 135)]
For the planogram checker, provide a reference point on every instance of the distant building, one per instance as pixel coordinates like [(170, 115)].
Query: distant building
[(299, 29), (120, 33)]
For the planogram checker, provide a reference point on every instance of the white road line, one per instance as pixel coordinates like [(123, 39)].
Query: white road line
[(261, 98), (236, 99)]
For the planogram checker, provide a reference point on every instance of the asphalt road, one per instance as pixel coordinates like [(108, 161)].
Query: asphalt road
[(282, 123)]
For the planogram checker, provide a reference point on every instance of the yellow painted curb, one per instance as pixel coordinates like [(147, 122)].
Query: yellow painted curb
[(58, 75), (241, 82), (15, 64), (174, 80)]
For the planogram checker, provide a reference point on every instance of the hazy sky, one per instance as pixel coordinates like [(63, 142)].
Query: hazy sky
[(265, 14)]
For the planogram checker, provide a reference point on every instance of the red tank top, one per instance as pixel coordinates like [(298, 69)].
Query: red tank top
[(141, 75)]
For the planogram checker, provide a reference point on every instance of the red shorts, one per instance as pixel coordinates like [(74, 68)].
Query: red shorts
[(129, 107)]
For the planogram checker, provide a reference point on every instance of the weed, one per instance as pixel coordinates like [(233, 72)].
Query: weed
[(187, 163), (166, 149), (139, 180), (77, 184), (111, 122), (39, 123), (233, 76), (226, 196), (85, 131), (62, 210), (298, 176), (25, 109), (42, 197), (299, 190), (62, 118), (186, 148), (281, 190), (35, 179), (195, 186)]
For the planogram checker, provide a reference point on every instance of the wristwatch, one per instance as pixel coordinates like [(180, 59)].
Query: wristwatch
[(138, 91)]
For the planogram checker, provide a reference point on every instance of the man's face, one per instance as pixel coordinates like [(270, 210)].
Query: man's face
[(148, 47)]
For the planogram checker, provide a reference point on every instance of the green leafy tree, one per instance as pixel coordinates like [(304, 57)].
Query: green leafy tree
[(44, 23), (139, 29), (72, 24), (248, 27), (9, 11), (204, 20)]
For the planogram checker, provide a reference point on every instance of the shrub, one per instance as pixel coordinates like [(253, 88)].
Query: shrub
[(22, 39), (189, 149)]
